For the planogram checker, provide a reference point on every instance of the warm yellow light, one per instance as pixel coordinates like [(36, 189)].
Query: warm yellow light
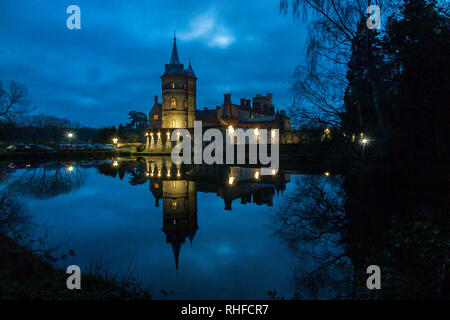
[(70, 168), (115, 140), (70, 135), (178, 173), (274, 172), (168, 134), (230, 180), (257, 175), (273, 133), (257, 132), (230, 129), (327, 174), (151, 134), (365, 141), (159, 173), (151, 174), (168, 174), (147, 174), (115, 163)]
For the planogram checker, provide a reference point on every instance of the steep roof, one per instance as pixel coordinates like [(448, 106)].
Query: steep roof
[(174, 58), (175, 67)]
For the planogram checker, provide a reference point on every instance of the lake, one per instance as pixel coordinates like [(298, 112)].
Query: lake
[(204, 232)]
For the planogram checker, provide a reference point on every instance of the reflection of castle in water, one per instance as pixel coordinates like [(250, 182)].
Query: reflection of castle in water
[(177, 185)]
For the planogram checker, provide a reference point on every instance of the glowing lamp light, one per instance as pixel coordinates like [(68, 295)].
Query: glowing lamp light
[(151, 174), (168, 134), (364, 141), (273, 133), (159, 135), (256, 132), (230, 129), (115, 163), (147, 174), (327, 174), (230, 180), (274, 172), (159, 173), (168, 174), (70, 168), (70, 135), (257, 175), (115, 140), (178, 173)]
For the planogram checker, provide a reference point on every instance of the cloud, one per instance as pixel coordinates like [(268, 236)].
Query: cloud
[(206, 27)]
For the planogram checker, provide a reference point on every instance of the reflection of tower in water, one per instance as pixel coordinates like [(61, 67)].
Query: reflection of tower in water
[(179, 211), (177, 186)]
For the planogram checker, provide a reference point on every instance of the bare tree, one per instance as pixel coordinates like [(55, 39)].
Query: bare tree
[(14, 99), (319, 85)]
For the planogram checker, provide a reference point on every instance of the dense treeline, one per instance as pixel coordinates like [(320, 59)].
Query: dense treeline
[(390, 83)]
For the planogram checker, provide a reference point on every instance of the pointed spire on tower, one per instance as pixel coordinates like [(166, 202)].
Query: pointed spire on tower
[(190, 70), (174, 58), (176, 246)]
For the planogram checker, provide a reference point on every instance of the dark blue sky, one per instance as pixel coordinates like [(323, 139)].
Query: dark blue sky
[(112, 65)]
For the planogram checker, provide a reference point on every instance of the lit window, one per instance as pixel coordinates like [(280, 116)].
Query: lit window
[(185, 104), (173, 103), (155, 117), (156, 185), (173, 123), (173, 85), (174, 204)]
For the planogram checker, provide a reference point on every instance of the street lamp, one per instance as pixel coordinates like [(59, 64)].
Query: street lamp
[(70, 136), (364, 142), (115, 141)]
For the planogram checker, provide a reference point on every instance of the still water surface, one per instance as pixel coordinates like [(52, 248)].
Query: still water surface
[(191, 232)]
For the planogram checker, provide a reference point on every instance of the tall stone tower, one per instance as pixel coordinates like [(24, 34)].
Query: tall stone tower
[(178, 93)]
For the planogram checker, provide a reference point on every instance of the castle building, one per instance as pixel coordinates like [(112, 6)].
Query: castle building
[(178, 106)]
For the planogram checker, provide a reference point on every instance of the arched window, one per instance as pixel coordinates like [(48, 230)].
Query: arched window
[(173, 103)]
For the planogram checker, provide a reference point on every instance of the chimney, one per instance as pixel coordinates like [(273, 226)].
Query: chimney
[(227, 99), (249, 104), (243, 102), (156, 99)]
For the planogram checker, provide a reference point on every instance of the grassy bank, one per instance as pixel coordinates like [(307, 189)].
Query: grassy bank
[(24, 274)]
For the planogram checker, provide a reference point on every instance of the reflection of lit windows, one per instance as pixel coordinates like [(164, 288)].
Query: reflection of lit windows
[(185, 123), (173, 103), (174, 184), (185, 104), (174, 204), (155, 117), (173, 85), (173, 123)]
